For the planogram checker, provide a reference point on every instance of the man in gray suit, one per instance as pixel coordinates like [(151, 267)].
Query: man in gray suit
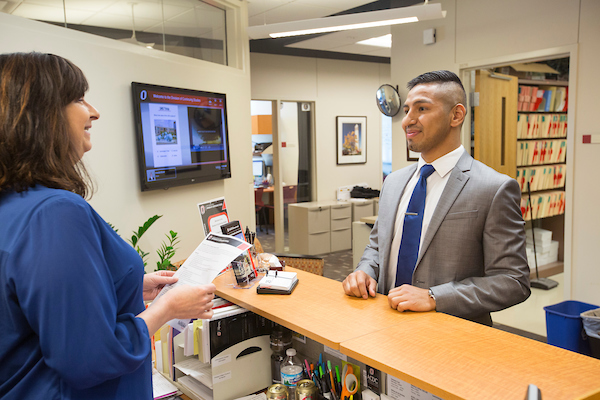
[(471, 257)]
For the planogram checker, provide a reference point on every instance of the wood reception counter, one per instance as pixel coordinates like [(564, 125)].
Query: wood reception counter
[(447, 356)]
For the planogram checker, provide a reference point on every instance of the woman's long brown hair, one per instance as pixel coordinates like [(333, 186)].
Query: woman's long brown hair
[(35, 142)]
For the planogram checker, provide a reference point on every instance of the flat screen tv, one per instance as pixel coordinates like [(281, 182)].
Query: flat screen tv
[(182, 136)]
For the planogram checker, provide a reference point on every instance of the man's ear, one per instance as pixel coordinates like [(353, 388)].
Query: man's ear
[(458, 114)]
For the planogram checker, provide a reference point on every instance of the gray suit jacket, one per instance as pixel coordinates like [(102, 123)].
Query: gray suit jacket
[(473, 254)]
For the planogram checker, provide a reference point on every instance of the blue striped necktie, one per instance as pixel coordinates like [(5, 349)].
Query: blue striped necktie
[(411, 233)]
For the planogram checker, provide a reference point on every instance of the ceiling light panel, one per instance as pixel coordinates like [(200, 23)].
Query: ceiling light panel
[(350, 21)]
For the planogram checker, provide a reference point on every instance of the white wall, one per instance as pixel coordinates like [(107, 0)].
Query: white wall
[(475, 30), (110, 67), (338, 88)]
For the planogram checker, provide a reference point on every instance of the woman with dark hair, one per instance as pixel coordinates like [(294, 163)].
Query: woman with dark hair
[(73, 320)]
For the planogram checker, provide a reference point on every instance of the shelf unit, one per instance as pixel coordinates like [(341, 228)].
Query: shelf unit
[(503, 122), (541, 146)]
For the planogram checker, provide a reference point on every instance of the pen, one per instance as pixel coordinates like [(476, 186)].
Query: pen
[(326, 389), (307, 369), (317, 382), (320, 372), (333, 390)]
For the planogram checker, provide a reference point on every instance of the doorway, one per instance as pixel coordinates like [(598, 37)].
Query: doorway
[(283, 151)]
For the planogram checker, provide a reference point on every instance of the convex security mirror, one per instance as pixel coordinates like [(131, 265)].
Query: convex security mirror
[(388, 100)]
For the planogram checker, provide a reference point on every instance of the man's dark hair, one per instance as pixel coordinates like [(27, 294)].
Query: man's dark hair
[(435, 77), (440, 77)]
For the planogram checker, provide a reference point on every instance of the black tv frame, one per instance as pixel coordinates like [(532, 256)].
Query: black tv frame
[(193, 172)]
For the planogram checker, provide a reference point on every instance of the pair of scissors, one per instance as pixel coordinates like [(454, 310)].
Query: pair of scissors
[(349, 383)]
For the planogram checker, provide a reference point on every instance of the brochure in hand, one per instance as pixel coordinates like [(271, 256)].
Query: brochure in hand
[(277, 282)]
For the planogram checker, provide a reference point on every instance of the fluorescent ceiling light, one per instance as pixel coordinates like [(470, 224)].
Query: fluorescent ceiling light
[(368, 19), (345, 27), (380, 41)]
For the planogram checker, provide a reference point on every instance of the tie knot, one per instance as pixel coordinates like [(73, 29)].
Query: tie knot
[(427, 170)]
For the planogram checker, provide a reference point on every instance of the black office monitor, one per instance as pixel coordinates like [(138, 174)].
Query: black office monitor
[(182, 136)]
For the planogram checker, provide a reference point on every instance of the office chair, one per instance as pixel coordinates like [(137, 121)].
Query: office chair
[(260, 208), (289, 196), (312, 264)]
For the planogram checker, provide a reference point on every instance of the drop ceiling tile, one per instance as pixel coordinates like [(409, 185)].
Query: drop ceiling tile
[(290, 12), (87, 5), (116, 21), (209, 18), (338, 5), (50, 13)]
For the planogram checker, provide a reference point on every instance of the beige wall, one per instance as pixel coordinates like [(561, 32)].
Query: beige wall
[(110, 67), (338, 88), (477, 31), (586, 193)]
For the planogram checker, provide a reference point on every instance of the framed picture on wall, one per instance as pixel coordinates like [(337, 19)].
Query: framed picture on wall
[(351, 140)]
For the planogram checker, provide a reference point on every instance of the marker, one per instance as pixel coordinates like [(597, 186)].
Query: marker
[(320, 372), (337, 373), (332, 382), (307, 368), (317, 382)]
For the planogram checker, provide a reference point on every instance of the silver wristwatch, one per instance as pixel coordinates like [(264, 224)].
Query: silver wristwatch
[(431, 294)]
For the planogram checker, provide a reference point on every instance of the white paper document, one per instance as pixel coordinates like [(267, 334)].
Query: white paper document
[(197, 389), (206, 262), (259, 396), (202, 372), (161, 387)]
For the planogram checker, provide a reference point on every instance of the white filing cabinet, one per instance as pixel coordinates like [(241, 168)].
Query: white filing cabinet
[(341, 226), (362, 208), (319, 227), (376, 206)]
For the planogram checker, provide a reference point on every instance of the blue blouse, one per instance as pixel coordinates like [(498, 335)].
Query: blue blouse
[(70, 289)]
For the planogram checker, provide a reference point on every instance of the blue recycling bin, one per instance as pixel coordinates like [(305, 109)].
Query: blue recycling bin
[(564, 326)]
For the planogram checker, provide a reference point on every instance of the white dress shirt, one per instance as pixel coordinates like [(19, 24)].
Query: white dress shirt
[(435, 186)]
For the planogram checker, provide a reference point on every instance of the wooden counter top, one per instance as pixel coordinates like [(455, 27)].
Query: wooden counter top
[(317, 308), (458, 359), (444, 355), (369, 220)]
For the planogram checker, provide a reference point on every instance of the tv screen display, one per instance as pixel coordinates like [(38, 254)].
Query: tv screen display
[(182, 136)]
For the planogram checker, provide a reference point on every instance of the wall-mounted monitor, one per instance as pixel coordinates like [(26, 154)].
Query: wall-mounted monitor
[(182, 136)]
